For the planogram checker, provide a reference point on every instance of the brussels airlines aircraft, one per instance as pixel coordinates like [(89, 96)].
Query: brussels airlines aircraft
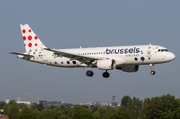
[(125, 58)]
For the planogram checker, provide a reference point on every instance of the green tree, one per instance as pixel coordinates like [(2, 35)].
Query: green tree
[(83, 114), (39, 107), (102, 112), (121, 113), (52, 114), (13, 112), (12, 102), (170, 105), (124, 100), (25, 113), (134, 106), (5, 108), (109, 112), (96, 115), (178, 100), (61, 113), (94, 109), (154, 108), (36, 114), (1, 105), (74, 110)]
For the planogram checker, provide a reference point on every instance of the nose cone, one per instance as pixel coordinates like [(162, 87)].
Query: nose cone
[(171, 56)]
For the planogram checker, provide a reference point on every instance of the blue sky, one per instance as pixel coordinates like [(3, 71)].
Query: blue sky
[(70, 24)]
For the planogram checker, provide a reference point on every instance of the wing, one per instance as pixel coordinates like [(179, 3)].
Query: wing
[(21, 54), (73, 56)]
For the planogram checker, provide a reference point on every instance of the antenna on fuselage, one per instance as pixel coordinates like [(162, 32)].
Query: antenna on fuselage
[(80, 47), (149, 43)]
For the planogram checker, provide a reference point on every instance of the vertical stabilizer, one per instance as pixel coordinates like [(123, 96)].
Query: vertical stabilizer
[(31, 42)]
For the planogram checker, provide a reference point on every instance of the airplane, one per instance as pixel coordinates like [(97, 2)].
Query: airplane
[(125, 58)]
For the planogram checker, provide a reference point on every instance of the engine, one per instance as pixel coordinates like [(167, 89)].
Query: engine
[(106, 64), (128, 68)]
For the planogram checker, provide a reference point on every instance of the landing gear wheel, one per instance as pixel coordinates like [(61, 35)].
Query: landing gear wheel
[(105, 74), (89, 73), (153, 72)]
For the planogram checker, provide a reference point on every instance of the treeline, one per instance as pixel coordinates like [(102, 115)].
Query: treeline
[(164, 107)]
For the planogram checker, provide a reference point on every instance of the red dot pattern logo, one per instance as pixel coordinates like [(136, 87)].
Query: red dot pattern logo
[(23, 30), (29, 37), (30, 44), (24, 38)]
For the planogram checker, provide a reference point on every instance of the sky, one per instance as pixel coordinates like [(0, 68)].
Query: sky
[(94, 23)]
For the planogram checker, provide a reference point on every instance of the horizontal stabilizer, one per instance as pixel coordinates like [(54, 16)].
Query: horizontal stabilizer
[(21, 54)]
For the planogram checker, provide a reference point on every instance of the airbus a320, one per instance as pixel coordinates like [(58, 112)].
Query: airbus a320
[(125, 58)]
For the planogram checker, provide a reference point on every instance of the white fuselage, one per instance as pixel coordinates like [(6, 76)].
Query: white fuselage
[(130, 55)]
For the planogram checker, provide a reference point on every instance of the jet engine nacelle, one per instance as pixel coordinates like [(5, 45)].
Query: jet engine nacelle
[(128, 68), (106, 64)]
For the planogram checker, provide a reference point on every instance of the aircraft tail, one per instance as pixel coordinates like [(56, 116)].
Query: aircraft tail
[(32, 43)]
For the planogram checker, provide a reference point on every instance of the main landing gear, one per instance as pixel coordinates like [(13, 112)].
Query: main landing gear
[(152, 72), (105, 74), (89, 73)]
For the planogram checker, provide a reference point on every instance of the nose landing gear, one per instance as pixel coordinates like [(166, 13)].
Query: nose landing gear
[(152, 67)]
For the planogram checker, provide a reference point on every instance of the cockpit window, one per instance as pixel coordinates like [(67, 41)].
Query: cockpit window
[(162, 50)]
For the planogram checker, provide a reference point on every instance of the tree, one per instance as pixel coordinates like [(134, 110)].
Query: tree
[(39, 107), (123, 112), (13, 112), (83, 114), (154, 108), (96, 115), (134, 106), (12, 102), (125, 100), (109, 111), (1, 105), (94, 109), (170, 106), (36, 114), (102, 112), (178, 100), (75, 110), (5, 108), (25, 113)]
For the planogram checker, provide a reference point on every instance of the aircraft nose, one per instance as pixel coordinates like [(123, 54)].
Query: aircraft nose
[(171, 56)]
